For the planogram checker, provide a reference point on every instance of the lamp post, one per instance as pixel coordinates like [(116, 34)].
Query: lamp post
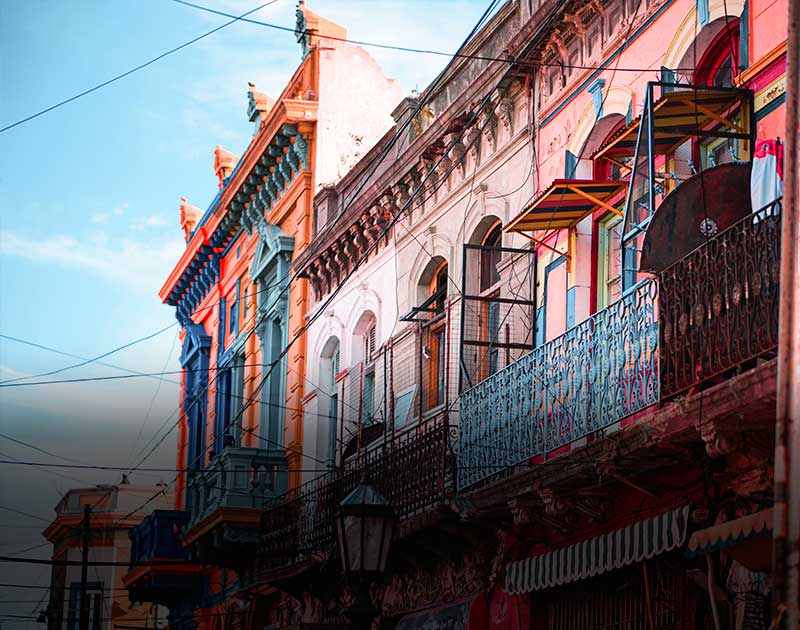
[(365, 526)]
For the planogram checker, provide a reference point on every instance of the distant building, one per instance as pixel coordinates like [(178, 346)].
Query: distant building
[(115, 510)]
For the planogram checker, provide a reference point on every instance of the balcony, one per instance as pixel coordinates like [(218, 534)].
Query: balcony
[(226, 501), (703, 319), (414, 471), (157, 539)]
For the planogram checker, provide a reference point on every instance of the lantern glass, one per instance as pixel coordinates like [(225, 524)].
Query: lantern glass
[(365, 529)]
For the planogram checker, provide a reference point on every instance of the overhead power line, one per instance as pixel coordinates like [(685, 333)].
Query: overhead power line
[(132, 70), (88, 361), (292, 276), (77, 356), (424, 51)]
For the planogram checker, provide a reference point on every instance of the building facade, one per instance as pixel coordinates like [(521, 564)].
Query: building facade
[(242, 312), (541, 318), (114, 512)]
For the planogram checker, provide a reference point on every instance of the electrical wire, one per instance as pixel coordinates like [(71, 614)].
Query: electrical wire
[(8, 382), (457, 55), (76, 356), (132, 70), (328, 229)]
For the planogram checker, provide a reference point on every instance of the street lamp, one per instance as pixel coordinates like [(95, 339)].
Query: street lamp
[(365, 526)]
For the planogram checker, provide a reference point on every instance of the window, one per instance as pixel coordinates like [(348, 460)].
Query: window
[(368, 399), (233, 320), (94, 595), (435, 346), (608, 262), (369, 342), (230, 398), (490, 308), (490, 258), (717, 68), (438, 289), (330, 368)]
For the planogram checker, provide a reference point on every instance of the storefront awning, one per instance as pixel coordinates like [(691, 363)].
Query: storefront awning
[(678, 115), (745, 539), (592, 557), (564, 204)]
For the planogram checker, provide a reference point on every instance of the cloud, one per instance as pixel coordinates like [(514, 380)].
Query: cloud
[(136, 262), (101, 218), (152, 221)]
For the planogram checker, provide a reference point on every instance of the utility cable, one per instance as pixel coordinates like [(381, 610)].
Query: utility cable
[(132, 70), (332, 224)]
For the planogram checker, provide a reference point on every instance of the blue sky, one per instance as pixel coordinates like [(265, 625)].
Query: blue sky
[(89, 197)]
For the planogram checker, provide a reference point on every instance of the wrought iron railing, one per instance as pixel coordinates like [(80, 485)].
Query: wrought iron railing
[(237, 477), (719, 304), (592, 376), (414, 472)]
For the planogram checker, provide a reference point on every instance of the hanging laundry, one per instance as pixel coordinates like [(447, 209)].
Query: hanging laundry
[(766, 177)]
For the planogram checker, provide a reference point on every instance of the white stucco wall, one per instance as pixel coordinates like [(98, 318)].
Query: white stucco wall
[(355, 104)]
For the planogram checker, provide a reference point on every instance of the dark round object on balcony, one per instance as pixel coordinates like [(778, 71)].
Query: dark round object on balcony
[(697, 210)]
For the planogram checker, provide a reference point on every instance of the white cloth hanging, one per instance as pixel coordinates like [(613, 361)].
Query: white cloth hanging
[(766, 176)]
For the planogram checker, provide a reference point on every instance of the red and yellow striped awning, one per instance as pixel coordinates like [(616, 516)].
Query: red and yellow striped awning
[(677, 116), (566, 203)]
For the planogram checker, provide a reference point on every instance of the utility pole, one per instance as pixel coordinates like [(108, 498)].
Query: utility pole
[(84, 602), (786, 530)]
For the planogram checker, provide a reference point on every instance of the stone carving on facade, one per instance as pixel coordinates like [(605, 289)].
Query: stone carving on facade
[(576, 22), (457, 149), (521, 513), (474, 144), (342, 262), (487, 121), (505, 110), (190, 217), (606, 461), (359, 240), (258, 104), (399, 197), (312, 273), (443, 581), (554, 505), (429, 178), (443, 168), (719, 443)]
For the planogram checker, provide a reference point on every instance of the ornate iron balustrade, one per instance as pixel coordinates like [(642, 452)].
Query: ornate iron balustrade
[(719, 304), (237, 477), (156, 537), (414, 472), (592, 376)]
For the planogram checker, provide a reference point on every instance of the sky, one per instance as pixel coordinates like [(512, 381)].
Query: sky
[(89, 213)]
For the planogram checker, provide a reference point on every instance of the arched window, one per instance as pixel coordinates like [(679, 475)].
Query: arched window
[(490, 257), (329, 368), (365, 353), (720, 62), (437, 289), (434, 281)]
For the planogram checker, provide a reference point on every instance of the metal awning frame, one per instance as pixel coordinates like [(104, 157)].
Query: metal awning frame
[(740, 98), (683, 93), (574, 186)]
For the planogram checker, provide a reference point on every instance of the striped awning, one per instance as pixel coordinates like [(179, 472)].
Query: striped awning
[(594, 556), (565, 203), (745, 539), (678, 115)]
